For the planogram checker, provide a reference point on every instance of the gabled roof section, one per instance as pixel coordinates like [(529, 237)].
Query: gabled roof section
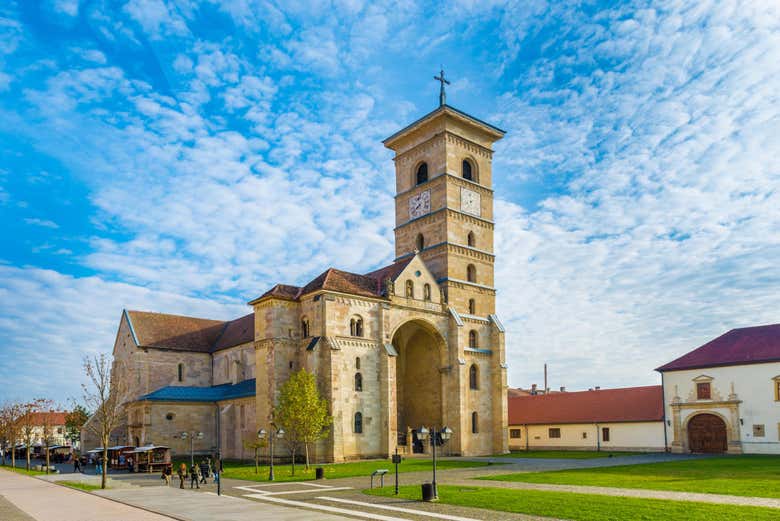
[(342, 282), (747, 345), (283, 291), (629, 404), (182, 333), (237, 332), (215, 393), (391, 271), (496, 132), (175, 332)]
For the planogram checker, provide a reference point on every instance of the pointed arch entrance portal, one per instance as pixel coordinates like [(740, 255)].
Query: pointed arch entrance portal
[(418, 380)]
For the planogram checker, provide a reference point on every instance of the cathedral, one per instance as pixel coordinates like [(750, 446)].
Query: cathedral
[(415, 343)]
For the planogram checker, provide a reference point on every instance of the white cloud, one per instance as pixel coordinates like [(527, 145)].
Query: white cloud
[(49, 321), (43, 223), (669, 214)]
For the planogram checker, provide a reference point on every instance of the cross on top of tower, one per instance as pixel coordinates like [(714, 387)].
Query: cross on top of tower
[(442, 95)]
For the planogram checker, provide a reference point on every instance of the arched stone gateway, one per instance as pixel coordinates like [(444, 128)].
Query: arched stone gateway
[(707, 433), (419, 401)]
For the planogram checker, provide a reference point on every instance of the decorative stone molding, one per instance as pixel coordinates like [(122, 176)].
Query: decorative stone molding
[(468, 145)]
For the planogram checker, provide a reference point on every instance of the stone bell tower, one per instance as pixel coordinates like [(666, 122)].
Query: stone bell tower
[(444, 203)]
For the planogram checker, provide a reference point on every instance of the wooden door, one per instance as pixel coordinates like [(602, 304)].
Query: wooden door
[(707, 433)]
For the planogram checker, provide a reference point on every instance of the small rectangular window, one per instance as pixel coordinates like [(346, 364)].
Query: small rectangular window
[(703, 391), (584, 435), (777, 390), (605, 434), (515, 433), (758, 431), (554, 432)]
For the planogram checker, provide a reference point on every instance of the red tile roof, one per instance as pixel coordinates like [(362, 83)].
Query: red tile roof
[(368, 285), (54, 418), (747, 345), (237, 332), (629, 404), (182, 333)]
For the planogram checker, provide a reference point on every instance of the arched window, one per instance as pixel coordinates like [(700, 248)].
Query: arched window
[(358, 382), (474, 422), (410, 289), (357, 363), (467, 170), (305, 328), (470, 239), (471, 273), (420, 242), (358, 427), (422, 173), (472, 306), (473, 339), (181, 372), (356, 326), (427, 292), (473, 377)]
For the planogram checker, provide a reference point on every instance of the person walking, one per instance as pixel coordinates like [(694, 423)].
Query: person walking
[(195, 476), (76, 464), (204, 472), (182, 474), (168, 474)]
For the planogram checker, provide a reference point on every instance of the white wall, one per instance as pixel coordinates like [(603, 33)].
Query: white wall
[(635, 436), (754, 386)]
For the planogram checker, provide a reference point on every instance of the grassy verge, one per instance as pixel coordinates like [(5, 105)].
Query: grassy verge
[(565, 454), (79, 485), (338, 470), (751, 475), (585, 507), (23, 470)]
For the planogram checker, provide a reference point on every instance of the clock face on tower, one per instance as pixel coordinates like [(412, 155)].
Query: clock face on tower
[(470, 202), (420, 204)]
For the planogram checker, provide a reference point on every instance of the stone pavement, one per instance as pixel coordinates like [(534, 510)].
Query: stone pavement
[(43, 501)]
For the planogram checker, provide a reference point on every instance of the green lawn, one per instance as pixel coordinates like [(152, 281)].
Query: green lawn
[(585, 507), (565, 454), (751, 475), (339, 470), (79, 485), (22, 470)]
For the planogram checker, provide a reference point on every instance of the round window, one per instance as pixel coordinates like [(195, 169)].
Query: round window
[(169, 416), (417, 273)]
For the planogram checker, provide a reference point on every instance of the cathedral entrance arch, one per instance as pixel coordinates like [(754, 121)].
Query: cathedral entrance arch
[(420, 349), (707, 433)]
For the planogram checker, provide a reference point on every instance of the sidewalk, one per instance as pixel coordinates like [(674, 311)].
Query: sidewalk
[(43, 501)]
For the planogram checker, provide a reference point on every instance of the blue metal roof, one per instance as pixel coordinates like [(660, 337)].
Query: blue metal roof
[(216, 393)]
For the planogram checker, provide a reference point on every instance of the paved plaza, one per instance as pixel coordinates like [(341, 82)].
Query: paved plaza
[(145, 497)]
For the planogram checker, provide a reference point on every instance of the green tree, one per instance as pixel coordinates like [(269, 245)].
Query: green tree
[(255, 444), (302, 412), (74, 421)]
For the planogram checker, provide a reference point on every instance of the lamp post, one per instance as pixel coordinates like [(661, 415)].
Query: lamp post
[(276, 432), (445, 434), (192, 436)]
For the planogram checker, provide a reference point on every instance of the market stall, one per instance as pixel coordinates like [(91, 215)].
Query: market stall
[(118, 456), (151, 458)]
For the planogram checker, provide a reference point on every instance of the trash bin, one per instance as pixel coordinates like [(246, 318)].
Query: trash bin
[(319, 473), (427, 491)]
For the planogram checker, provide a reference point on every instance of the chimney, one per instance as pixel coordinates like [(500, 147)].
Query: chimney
[(590, 388), (598, 388), (546, 389), (563, 389), (533, 389)]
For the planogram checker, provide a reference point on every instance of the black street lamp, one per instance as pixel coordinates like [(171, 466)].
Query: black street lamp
[(276, 432), (192, 436), (445, 434)]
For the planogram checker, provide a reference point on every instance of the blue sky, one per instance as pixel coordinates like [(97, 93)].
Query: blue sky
[(184, 156)]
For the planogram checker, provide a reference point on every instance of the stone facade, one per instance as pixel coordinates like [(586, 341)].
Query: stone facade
[(392, 350), (421, 334)]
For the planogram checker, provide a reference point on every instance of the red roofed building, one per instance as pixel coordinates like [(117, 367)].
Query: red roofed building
[(724, 396), (624, 419)]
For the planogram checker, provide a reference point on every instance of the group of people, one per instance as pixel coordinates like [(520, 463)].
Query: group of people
[(198, 473)]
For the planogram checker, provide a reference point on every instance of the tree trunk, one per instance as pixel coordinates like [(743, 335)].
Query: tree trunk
[(47, 458), (28, 456), (13, 454), (105, 466), (306, 445), (293, 461), (257, 464)]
